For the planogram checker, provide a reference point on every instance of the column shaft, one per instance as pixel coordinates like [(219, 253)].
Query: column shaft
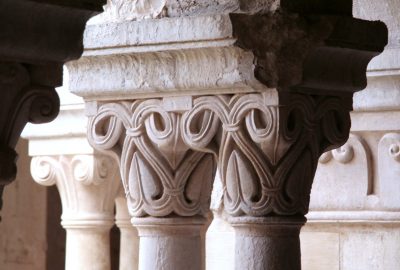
[(129, 239), (88, 185), (265, 245), (88, 248), (170, 243)]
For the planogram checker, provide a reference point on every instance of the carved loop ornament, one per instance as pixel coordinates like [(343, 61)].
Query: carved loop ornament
[(267, 151), (161, 175)]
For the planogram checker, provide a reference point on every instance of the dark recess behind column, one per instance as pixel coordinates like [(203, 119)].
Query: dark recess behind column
[(55, 234)]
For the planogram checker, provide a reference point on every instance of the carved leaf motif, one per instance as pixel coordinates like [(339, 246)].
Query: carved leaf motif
[(142, 181), (199, 183), (232, 182), (242, 184), (294, 197), (261, 156)]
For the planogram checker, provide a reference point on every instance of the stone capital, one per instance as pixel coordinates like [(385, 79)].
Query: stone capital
[(161, 175), (88, 185)]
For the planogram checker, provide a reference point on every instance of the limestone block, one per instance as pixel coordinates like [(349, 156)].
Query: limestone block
[(343, 178), (373, 249), (320, 250), (184, 72), (389, 171), (383, 93)]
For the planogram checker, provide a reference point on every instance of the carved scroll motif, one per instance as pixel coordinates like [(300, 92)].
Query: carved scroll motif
[(268, 152), (160, 174), (389, 171), (80, 179), (344, 177), (267, 149)]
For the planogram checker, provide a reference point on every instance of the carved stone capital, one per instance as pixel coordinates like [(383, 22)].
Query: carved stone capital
[(24, 99), (161, 175), (88, 186), (268, 146)]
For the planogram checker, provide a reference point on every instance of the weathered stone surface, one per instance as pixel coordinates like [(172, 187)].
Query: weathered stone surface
[(310, 52), (195, 103)]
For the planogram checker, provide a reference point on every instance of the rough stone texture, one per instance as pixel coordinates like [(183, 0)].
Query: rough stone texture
[(310, 52), (123, 10), (164, 103), (164, 74), (170, 243)]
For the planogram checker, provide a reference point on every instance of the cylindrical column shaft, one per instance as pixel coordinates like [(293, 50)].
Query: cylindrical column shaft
[(171, 243), (129, 240), (87, 248), (262, 244)]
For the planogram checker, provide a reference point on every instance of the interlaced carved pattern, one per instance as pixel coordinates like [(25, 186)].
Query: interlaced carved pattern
[(267, 149), (160, 174), (267, 152)]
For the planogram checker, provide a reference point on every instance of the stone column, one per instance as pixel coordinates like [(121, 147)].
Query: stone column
[(87, 185), (129, 240), (263, 88), (354, 218), (32, 52), (167, 185), (268, 154)]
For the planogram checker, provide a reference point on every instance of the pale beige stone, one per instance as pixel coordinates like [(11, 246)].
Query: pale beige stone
[(23, 242), (129, 239), (320, 250)]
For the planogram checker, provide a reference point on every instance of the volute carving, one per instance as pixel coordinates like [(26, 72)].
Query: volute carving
[(23, 100), (88, 184), (160, 173)]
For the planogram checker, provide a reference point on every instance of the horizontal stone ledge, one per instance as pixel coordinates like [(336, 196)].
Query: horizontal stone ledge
[(157, 32), (352, 216), (385, 64), (143, 75), (60, 146), (375, 120)]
